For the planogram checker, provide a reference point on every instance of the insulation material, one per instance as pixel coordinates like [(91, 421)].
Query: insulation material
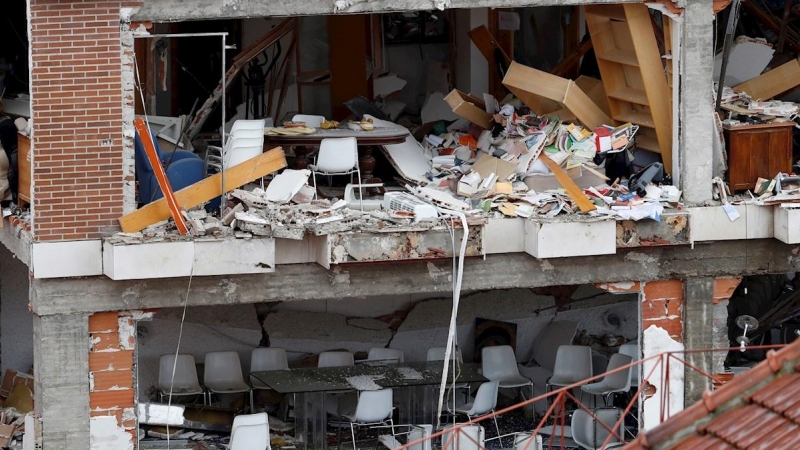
[(748, 58), (657, 340), (409, 160)]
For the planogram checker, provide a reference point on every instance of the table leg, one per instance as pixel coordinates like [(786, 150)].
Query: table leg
[(300, 157), (366, 163), (311, 426)]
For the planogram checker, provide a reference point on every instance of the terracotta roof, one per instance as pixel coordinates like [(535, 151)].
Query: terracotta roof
[(757, 409)]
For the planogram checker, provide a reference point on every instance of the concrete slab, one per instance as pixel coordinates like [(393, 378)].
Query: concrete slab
[(562, 239), (505, 235), (710, 223), (67, 259), (234, 256), (787, 224)]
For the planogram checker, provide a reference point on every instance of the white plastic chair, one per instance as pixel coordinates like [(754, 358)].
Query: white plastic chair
[(250, 432), (385, 354), (338, 156), (185, 381), (615, 382), (485, 402), (265, 358), (573, 364), (437, 354), (373, 408), (469, 437), (589, 434), (246, 128), (499, 363), (240, 149), (310, 120), (335, 359), (223, 374), (632, 349)]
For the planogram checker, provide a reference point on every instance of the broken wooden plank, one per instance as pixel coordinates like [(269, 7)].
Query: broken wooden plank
[(575, 192), (527, 83), (206, 190), (769, 84), (161, 175)]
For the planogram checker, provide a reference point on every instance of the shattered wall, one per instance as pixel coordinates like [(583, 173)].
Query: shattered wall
[(351, 325)]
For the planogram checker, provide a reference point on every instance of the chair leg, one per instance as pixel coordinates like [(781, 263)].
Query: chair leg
[(360, 188), (338, 433), (353, 435), (496, 426), (314, 182)]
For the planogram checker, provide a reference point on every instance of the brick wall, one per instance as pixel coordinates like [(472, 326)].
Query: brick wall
[(111, 368), (77, 111)]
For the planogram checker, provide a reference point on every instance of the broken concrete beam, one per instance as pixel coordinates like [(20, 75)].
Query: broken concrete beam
[(527, 83), (207, 189)]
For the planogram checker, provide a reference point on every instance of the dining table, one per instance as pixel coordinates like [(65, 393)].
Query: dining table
[(366, 140), (416, 382)]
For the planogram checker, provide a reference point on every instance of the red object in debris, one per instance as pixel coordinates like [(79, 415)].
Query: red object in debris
[(599, 133), (161, 175)]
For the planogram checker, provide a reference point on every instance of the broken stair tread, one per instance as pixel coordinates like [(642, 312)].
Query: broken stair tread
[(572, 189), (206, 189)]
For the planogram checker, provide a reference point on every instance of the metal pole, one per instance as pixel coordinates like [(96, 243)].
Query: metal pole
[(726, 50), (222, 129)]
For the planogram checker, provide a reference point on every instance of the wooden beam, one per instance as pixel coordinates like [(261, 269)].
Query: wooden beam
[(161, 175), (530, 84), (206, 190), (769, 84), (574, 191)]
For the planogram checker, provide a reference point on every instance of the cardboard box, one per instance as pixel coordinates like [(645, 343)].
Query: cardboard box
[(469, 107)]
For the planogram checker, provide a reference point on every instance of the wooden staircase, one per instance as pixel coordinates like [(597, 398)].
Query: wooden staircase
[(633, 73)]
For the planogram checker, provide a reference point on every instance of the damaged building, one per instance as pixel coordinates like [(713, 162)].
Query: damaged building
[(196, 182)]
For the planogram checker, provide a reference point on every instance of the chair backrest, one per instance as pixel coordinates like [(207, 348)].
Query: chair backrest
[(241, 127), (250, 432), (437, 354), (335, 359), (385, 354), (337, 155), (374, 406), (546, 343), (590, 434), (599, 363), (486, 397), (268, 358), (185, 373), (527, 441), (222, 367), (469, 437), (632, 349), (573, 362), (499, 362), (240, 149), (619, 381), (310, 120)]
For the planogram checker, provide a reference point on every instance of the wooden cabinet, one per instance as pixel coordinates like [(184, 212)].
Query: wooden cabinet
[(757, 151), (24, 168)]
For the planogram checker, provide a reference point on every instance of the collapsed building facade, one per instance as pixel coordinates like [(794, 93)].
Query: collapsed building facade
[(72, 297)]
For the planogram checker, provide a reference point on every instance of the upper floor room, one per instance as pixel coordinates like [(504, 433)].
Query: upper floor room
[(363, 132)]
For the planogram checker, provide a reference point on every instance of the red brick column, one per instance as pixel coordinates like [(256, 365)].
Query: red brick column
[(77, 112), (112, 389)]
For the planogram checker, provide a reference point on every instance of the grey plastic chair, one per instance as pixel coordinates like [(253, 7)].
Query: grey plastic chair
[(335, 359), (632, 349), (385, 354), (500, 364), (223, 374), (373, 408), (266, 358), (185, 381), (485, 402), (573, 365), (613, 383), (589, 434)]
